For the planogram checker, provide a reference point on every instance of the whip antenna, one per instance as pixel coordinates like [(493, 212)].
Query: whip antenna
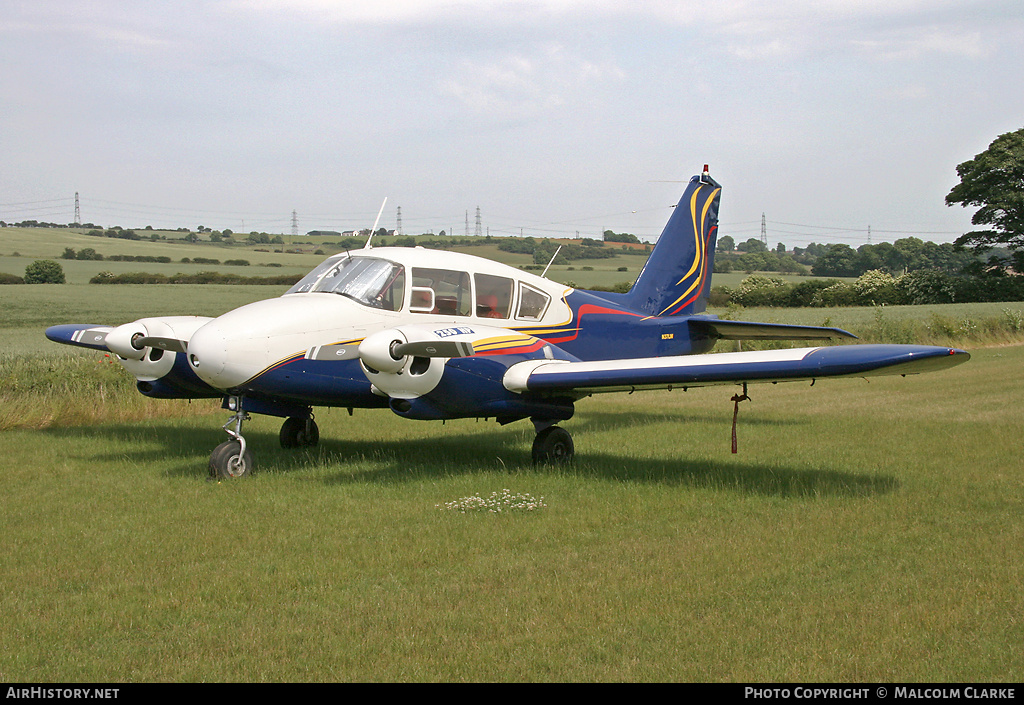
[(374, 228), (552, 261)]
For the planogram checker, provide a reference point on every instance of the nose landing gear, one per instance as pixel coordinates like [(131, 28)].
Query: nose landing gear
[(231, 459)]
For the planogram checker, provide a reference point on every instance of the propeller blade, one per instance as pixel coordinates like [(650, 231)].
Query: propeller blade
[(334, 353), (82, 335), (91, 337), (153, 341), (443, 348)]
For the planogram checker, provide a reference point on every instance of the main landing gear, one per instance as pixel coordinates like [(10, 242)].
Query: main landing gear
[(232, 459), (297, 432), (553, 444)]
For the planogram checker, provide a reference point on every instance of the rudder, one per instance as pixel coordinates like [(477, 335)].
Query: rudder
[(676, 279)]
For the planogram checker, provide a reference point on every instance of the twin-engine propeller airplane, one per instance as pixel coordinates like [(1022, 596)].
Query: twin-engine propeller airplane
[(437, 335)]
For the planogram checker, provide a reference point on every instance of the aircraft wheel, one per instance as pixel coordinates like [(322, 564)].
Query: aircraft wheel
[(227, 462), (552, 445), (299, 433)]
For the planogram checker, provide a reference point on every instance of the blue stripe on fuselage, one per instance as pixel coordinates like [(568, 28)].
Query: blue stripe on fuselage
[(603, 329), (317, 383)]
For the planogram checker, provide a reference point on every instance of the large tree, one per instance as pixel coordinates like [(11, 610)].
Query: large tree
[(994, 182)]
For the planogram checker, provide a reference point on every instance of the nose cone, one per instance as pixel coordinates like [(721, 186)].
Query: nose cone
[(232, 351), (208, 355)]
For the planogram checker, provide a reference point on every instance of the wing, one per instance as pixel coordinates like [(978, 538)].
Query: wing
[(581, 378)]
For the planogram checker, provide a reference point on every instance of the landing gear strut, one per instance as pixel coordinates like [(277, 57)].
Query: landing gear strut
[(553, 444), (231, 459)]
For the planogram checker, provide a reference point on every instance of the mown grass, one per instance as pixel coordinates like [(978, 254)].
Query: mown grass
[(864, 532)]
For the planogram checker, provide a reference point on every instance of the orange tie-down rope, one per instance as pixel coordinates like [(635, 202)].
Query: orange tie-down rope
[(737, 398)]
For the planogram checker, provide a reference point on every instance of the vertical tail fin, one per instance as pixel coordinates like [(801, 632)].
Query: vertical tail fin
[(677, 277)]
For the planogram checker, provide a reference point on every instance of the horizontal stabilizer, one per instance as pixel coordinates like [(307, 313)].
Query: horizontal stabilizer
[(580, 378), (743, 330)]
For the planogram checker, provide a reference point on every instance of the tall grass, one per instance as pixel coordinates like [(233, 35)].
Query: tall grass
[(69, 390), (963, 326), (944, 329)]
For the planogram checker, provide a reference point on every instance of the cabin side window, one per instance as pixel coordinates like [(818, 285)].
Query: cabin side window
[(493, 296), (452, 295), (532, 303)]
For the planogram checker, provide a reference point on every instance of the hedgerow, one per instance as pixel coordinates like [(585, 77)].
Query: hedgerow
[(200, 278), (873, 288)]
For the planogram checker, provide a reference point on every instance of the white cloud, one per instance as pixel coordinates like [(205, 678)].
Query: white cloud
[(923, 42), (747, 29), (101, 25), (521, 84)]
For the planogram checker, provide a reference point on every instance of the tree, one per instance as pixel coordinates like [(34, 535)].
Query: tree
[(994, 182), (837, 261), (44, 271), (610, 236), (726, 244), (752, 245)]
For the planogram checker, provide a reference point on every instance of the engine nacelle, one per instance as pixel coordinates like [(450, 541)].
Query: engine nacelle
[(159, 373), (121, 340), (376, 352), (400, 376)]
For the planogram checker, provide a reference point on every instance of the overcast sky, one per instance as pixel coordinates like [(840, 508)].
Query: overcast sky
[(552, 116)]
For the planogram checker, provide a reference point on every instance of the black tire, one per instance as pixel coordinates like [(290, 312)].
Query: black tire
[(553, 445), (225, 461), (299, 433)]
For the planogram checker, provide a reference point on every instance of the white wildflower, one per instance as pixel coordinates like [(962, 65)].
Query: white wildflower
[(496, 503)]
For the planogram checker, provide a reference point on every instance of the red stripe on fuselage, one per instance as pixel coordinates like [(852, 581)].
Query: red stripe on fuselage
[(587, 309)]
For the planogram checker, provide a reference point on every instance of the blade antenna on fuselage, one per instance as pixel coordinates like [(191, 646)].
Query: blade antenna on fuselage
[(374, 228)]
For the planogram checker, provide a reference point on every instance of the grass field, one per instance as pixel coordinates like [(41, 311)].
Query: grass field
[(863, 532)]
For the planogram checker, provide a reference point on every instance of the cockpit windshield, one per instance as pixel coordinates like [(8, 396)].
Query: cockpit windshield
[(368, 280)]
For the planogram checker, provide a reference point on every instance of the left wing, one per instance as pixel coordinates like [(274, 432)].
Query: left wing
[(581, 378), (84, 335)]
